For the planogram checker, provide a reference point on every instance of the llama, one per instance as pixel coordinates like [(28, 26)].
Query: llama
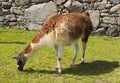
[(58, 32)]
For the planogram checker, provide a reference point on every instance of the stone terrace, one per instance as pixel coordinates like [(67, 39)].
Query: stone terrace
[(31, 14)]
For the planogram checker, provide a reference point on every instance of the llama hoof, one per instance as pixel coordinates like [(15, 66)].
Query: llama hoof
[(56, 69), (59, 74), (82, 62)]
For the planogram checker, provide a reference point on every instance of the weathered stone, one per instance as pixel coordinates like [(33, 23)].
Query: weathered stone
[(90, 1), (2, 18), (11, 18), (39, 1), (20, 18), (100, 5), (111, 20), (33, 26), (86, 6), (22, 2), (16, 10), (11, 1), (118, 20), (104, 14), (95, 17), (91, 7), (76, 7), (104, 25), (6, 5), (114, 15), (5, 11), (17, 2), (0, 3), (99, 32), (39, 13), (1, 23), (105, 11), (115, 1), (60, 1), (118, 15), (5, 0), (113, 31), (115, 9), (12, 24), (108, 5), (68, 3)]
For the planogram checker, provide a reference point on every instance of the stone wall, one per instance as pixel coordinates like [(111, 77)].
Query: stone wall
[(31, 14)]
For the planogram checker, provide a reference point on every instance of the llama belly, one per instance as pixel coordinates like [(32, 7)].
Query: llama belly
[(61, 37)]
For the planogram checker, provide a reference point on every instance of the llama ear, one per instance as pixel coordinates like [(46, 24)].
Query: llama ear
[(14, 57)]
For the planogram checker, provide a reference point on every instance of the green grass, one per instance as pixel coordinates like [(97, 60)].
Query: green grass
[(102, 61)]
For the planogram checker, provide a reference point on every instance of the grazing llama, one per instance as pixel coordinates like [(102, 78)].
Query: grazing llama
[(58, 32)]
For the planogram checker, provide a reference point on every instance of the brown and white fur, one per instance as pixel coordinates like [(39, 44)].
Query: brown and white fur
[(57, 32)]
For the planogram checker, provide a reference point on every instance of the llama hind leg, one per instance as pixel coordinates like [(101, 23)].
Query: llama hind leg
[(84, 49), (76, 49), (84, 42)]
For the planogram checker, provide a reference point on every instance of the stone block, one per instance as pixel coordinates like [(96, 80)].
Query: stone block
[(99, 32), (113, 30), (12, 24), (115, 9), (60, 1), (22, 2), (6, 5), (5, 11), (39, 1), (100, 5), (16, 10), (110, 20), (115, 1), (2, 18), (11, 18), (41, 12), (76, 7), (33, 26), (118, 20), (95, 18)]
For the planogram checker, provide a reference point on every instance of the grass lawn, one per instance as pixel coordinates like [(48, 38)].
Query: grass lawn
[(102, 61)]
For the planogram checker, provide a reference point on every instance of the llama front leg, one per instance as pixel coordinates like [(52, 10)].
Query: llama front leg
[(60, 53), (76, 49)]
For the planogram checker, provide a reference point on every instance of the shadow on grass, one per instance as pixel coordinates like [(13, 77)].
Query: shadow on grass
[(12, 43), (30, 70), (93, 68)]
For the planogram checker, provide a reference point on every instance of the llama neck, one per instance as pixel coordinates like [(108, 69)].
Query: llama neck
[(32, 48), (28, 51)]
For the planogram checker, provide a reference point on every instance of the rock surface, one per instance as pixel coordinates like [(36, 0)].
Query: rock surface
[(39, 1), (113, 31), (76, 7), (39, 13), (31, 14), (111, 20), (95, 18), (115, 9)]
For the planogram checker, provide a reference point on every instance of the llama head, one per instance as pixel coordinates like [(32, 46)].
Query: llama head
[(21, 60)]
